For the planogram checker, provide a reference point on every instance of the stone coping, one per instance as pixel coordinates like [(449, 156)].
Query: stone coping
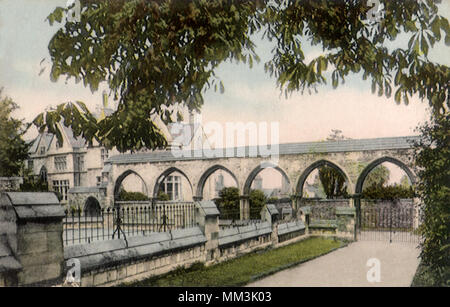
[(285, 228), (323, 224), (345, 211), (209, 208), (238, 234), (102, 254), (33, 205), (272, 209)]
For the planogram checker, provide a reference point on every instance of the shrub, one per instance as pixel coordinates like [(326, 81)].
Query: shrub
[(389, 192), (132, 196)]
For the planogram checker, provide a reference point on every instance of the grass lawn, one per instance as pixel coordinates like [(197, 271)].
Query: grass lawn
[(242, 270)]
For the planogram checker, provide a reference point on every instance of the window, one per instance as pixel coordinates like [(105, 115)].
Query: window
[(80, 163), (42, 150), (43, 174), (99, 180), (30, 164), (104, 154), (61, 163), (62, 187), (172, 187), (58, 145)]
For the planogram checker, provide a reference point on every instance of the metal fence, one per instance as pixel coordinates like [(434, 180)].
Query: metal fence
[(126, 219), (231, 217)]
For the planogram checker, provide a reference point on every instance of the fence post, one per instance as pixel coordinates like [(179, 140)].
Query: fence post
[(207, 216)]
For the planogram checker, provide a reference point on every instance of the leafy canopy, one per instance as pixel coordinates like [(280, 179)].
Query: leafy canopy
[(152, 54), (13, 149)]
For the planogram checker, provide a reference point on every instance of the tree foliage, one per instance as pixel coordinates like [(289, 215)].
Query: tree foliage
[(132, 196), (378, 176), (333, 182), (13, 149), (257, 200), (390, 192), (152, 54), (432, 155), (228, 198)]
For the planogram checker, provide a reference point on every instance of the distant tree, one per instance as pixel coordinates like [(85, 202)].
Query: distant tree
[(333, 182), (228, 198), (378, 176), (13, 149), (257, 200), (336, 135), (32, 183), (404, 181)]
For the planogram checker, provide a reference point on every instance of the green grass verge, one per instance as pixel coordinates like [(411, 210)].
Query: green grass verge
[(244, 269), (425, 277)]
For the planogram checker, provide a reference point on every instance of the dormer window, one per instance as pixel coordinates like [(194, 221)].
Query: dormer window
[(42, 150)]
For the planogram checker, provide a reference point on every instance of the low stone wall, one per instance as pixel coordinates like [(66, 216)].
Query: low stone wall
[(111, 262), (10, 183), (32, 252), (237, 241), (290, 230)]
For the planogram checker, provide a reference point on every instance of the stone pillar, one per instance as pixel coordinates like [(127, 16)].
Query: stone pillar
[(270, 214), (305, 216), (295, 203), (208, 220), (244, 205), (346, 218), (39, 236)]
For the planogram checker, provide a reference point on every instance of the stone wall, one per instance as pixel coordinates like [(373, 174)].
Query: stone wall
[(111, 262), (10, 183), (39, 258), (34, 237)]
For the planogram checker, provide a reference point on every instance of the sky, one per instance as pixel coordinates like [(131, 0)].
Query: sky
[(250, 95)]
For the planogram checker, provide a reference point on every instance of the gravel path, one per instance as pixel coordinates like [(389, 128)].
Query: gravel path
[(348, 267)]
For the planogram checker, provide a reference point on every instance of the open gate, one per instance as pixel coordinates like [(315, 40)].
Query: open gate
[(387, 221)]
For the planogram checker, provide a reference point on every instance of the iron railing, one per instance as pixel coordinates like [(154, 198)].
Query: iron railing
[(126, 219), (231, 217)]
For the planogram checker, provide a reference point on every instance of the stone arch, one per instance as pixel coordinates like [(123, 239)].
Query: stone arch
[(121, 178), (317, 164), (375, 163), (209, 172), (257, 170), (91, 207), (165, 174)]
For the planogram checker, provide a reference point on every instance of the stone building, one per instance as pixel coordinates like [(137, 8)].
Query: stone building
[(78, 171)]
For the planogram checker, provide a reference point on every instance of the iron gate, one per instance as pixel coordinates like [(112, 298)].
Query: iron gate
[(388, 221)]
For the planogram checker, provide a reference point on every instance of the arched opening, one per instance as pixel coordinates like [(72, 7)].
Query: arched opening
[(173, 185), (92, 207), (130, 186), (213, 180), (268, 184), (323, 179), (323, 186), (385, 171), (385, 204)]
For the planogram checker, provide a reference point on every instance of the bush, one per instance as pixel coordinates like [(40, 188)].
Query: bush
[(132, 196), (228, 198), (257, 201), (432, 156), (163, 196), (390, 192)]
